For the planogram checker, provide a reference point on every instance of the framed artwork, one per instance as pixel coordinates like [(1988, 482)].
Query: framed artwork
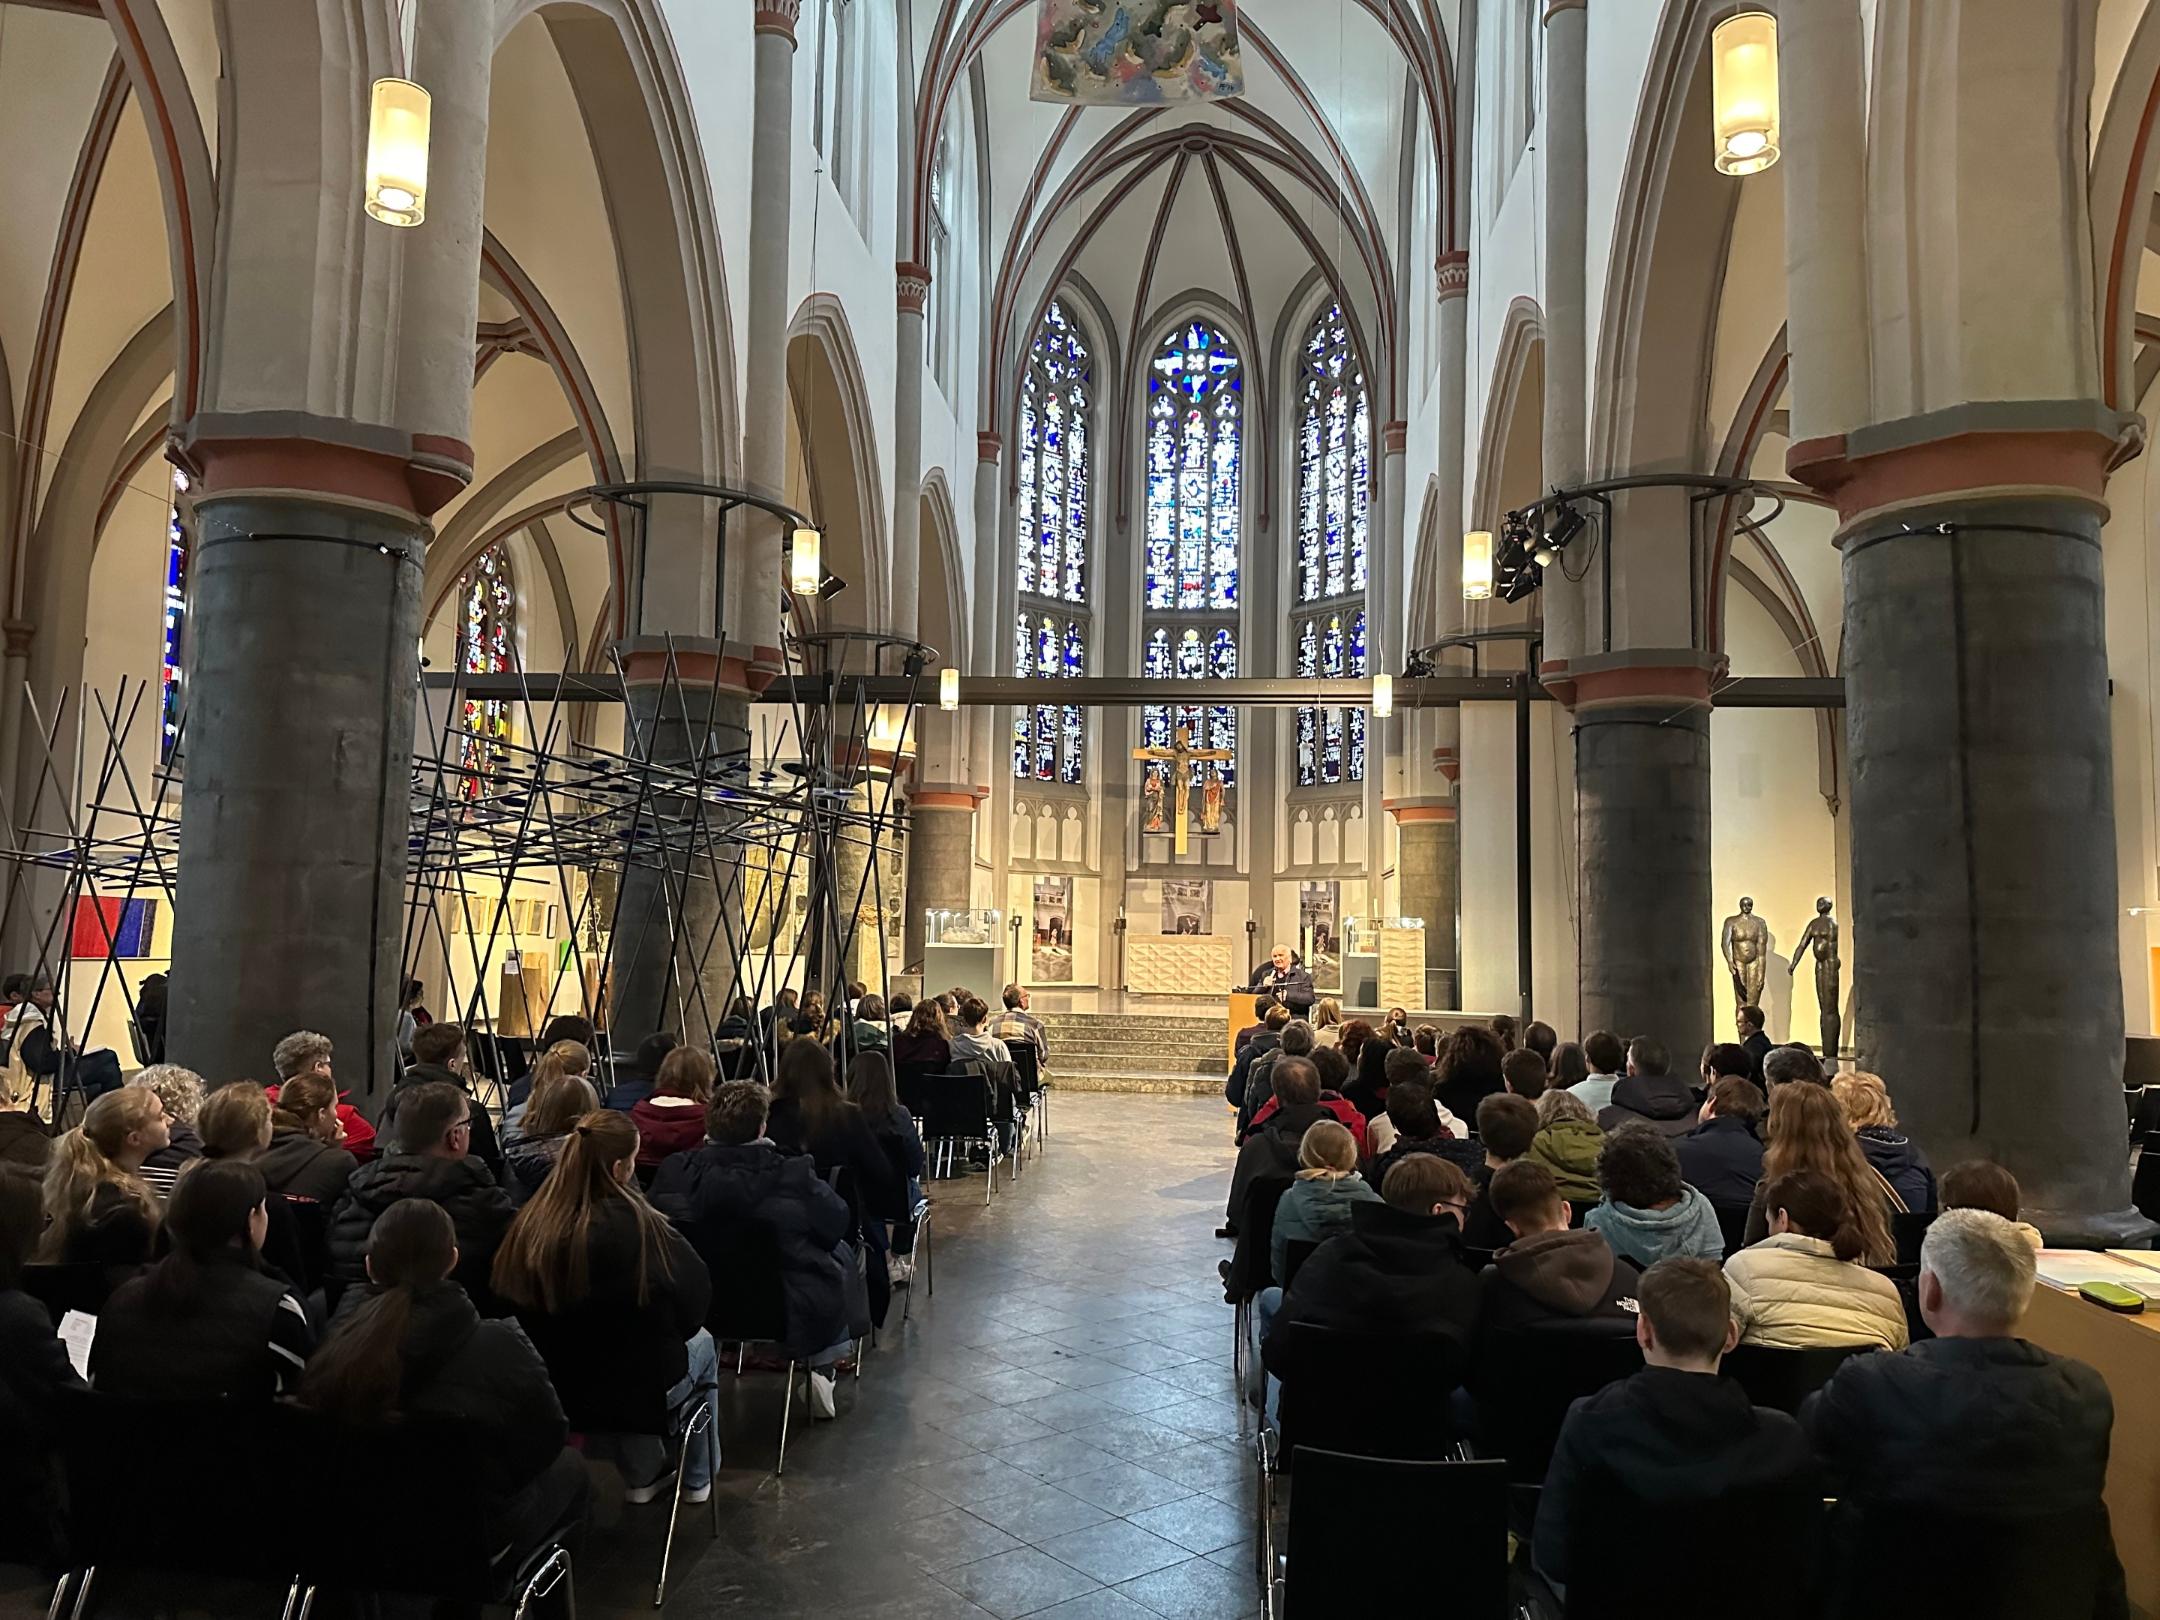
[(1137, 53), (1188, 906), (1319, 932), (1053, 963)]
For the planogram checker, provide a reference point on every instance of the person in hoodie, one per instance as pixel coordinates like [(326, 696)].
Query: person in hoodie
[(1318, 1204), (1647, 1212), (1567, 1143), (740, 1180), (532, 1146), (1897, 1158), (304, 1158), (1675, 1434), (433, 1160), (415, 1354), (1803, 1286), (644, 1073), (439, 1059), (1548, 1272), (672, 1119), (1721, 1158), (1650, 1093)]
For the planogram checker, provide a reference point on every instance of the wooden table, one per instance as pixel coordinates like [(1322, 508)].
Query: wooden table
[(1244, 1012), (2125, 1350)]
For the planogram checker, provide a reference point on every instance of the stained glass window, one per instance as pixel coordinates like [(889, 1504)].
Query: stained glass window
[(1334, 512), (1054, 461), (486, 646), (1331, 741), (171, 677), (1191, 655), (1049, 739), (1195, 467)]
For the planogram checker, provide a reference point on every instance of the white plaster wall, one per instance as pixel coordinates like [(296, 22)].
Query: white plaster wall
[(1486, 823)]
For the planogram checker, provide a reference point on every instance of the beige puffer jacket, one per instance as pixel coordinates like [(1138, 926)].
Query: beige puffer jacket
[(1792, 1293)]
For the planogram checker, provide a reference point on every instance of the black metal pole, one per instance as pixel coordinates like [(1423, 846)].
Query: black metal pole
[(1522, 845)]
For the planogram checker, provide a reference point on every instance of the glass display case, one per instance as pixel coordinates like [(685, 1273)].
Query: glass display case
[(965, 949), (963, 927), (1384, 962)]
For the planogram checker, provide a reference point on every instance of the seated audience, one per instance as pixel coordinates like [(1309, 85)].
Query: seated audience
[(1723, 1058), (871, 1088), (734, 1040), (1983, 1184), (1504, 1031), (98, 1209), (1897, 1158), (207, 1322), (863, 1028), (1016, 1023), (1416, 1122), (571, 1027), (1722, 1156), (1650, 1093), (181, 1090), (1803, 1286), (923, 1047), (1748, 1024), (1327, 1022), (1368, 1087), (304, 1052), (1318, 1204), (1569, 1067), (1271, 1150), (774, 1020), (636, 1083), (1675, 1431), (1399, 1269), (432, 1160), (34, 1370), (38, 1049), (1506, 1126), (1525, 1073), (672, 1119), (970, 1044), (1425, 1041), (235, 1122), (1541, 1038), (1351, 1042), (1975, 1422), (304, 1158), (1296, 1042), (1567, 1144), (739, 1179), (1784, 1064), (439, 1060), (1544, 1271), (1469, 1070), (533, 1145), (1647, 1213), (614, 1299), (1608, 1065), (24, 1139), (415, 1351), (809, 1113), (1266, 1036), (1806, 1130), (1293, 1040)]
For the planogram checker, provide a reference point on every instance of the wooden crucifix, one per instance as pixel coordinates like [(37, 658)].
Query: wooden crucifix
[(1180, 760)]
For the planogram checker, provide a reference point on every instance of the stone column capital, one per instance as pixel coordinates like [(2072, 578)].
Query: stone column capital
[(1394, 438), (1448, 763), (695, 662), (1409, 812), (293, 453), (1965, 454), (1659, 675), (947, 796), (20, 633), (914, 285), (989, 446), (779, 17), (1453, 270)]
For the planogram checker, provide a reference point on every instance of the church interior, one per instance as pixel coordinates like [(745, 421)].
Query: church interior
[(1604, 516)]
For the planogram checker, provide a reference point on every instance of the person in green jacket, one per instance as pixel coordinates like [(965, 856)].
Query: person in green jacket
[(1567, 1144)]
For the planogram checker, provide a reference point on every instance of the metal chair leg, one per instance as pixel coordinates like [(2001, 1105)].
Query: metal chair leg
[(787, 1409), (667, 1547), (858, 1360), (60, 1594), (307, 1604), (82, 1593)]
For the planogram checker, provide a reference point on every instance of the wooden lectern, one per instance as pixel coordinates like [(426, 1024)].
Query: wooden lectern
[(1244, 1012)]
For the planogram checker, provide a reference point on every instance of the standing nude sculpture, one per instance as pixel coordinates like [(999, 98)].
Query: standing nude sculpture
[(1821, 935), (1746, 944)]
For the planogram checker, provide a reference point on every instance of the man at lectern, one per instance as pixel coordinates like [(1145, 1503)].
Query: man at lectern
[(1282, 977)]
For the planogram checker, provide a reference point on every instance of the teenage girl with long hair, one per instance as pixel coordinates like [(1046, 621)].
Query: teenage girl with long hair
[(99, 1208), (1807, 1130), (615, 1299)]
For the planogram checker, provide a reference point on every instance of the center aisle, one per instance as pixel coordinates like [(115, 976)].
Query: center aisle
[(1055, 1433)]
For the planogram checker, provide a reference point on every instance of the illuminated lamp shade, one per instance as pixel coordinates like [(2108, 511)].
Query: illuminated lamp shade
[(948, 690), (1477, 565), (1744, 92), (397, 152), (806, 562), (1383, 696)]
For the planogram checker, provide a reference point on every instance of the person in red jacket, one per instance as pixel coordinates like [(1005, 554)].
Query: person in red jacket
[(1297, 1041), (672, 1119)]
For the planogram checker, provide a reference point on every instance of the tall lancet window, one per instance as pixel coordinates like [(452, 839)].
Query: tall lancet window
[(172, 678), (1054, 509), (487, 639), (1334, 450), (1195, 529)]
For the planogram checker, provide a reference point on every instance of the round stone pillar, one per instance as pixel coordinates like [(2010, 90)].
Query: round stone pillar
[(940, 859), (1428, 874)]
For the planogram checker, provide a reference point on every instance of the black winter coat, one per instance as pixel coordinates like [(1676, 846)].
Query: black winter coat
[(1272, 1150), (483, 1147), (1665, 1436), (875, 1191), (1394, 1272), (1664, 1102), (24, 1139), (1897, 1158), (244, 1336), (715, 1192), (480, 1210), (299, 1166), (1241, 1074), (1722, 1160), (34, 1369), (614, 1359)]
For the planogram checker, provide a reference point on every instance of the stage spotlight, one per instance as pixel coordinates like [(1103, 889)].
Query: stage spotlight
[(1524, 582)]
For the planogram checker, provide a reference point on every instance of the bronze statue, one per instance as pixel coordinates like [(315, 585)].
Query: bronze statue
[(1821, 934), (1746, 942)]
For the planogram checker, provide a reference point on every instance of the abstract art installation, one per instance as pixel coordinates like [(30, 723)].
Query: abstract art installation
[(1137, 53)]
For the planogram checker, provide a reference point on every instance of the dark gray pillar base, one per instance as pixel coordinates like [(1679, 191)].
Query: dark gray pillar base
[(1983, 940), (291, 901), (1642, 809)]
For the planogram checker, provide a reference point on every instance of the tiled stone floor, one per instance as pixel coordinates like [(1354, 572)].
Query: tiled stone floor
[(1053, 1434)]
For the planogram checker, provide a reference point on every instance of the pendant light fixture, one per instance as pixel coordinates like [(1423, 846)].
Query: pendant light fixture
[(1744, 92), (1477, 565), (806, 562), (399, 116)]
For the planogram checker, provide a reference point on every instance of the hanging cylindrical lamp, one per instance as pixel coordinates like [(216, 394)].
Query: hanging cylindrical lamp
[(1383, 696), (397, 152), (1744, 92), (806, 562), (948, 690), (1477, 565)]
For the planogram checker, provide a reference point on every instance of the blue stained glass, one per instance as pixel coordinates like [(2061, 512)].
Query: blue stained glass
[(484, 642), (170, 678), (1053, 472), (1334, 464), (1048, 739), (1194, 453)]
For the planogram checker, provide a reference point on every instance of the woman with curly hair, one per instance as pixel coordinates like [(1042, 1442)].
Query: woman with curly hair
[(1896, 1156), (1806, 1130)]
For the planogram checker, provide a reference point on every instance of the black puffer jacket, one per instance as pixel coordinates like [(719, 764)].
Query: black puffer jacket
[(34, 1368), (1664, 1102), (720, 1190), (1722, 1159), (479, 1209), (484, 1146), (612, 1357), (1395, 1272), (299, 1166)]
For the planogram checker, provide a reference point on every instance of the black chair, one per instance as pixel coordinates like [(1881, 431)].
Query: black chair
[(1908, 1230), (749, 1303), (1765, 1544), (1528, 1378), (1459, 1509), (1027, 1075), (1295, 1253), (956, 1112), (1327, 1396), (1251, 1263), (1732, 1222), (1989, 1567), (1782, 1379)]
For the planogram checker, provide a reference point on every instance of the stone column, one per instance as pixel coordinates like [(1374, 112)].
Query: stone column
[(914, 287), (984, 752), (1642, 829), (1564, 133), (940, 856), (765, 316), (1427, 871)]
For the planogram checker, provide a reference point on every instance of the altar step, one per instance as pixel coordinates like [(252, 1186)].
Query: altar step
[(1136, 1052)]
